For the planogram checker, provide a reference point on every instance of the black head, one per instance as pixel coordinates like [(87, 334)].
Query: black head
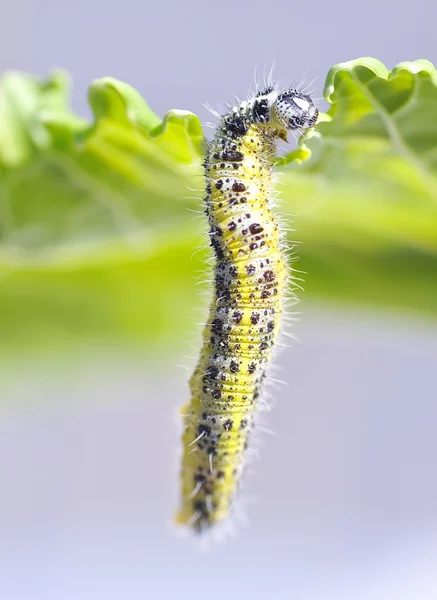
[(295, 110)]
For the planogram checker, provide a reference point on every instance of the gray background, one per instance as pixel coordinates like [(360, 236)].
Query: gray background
[(343, 503), (181, 54)]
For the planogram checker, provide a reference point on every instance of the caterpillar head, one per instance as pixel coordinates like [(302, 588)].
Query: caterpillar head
[(294, 110)]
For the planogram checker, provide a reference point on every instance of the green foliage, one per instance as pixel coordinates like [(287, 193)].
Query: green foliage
[(96, 240), (366, 199)]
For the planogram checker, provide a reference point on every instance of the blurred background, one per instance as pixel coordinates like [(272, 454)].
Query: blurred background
[(343, 501)]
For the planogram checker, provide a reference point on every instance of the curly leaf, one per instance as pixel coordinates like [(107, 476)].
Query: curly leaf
[(366, 199), (110, 98), (118, 178), (97, 244)]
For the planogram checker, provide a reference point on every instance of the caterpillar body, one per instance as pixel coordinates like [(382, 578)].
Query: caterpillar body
[(244, 318)]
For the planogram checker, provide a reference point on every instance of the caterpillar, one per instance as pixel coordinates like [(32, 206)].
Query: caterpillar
[(250, 276)]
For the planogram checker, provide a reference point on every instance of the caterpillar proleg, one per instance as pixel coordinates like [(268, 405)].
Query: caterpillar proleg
[(244, 319)]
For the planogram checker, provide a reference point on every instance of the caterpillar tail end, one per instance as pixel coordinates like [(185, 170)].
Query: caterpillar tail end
[(197, 522), (199, 514), (195, 525)]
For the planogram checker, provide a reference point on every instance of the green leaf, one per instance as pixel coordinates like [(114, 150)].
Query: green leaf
[(120, 178), (110, 98), (97, 235), (366, 199), (23, 101), (94, 228)]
